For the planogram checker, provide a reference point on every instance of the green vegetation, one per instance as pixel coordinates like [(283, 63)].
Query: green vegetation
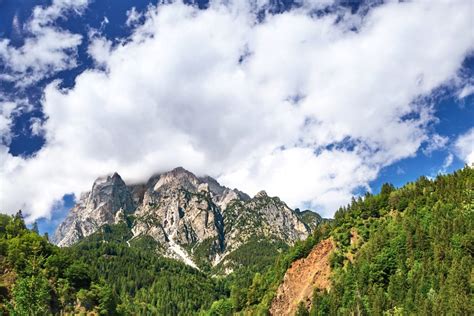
[(406, 251), (416, 258), (310, 218), (253, 287), (100, 274)]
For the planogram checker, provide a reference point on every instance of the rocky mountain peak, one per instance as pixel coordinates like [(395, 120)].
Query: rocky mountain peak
[(112, 179), (178, 177), (214, 186), (98, 207), (183, 212), (112, 193), (261, 194)]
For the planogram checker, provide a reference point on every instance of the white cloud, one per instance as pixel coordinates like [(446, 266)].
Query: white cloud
[(133, 17), (104, 22), (465, 147), (297, 105), (36, 126), (16, 26), (466, 91), (400, 170), (47, 49), (436, 142), (99, 49), (448, 161), (7, 110)]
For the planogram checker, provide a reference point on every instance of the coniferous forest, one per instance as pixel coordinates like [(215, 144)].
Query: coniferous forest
[(413, 256)]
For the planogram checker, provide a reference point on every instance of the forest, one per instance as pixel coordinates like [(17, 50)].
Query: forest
[(414, 257)]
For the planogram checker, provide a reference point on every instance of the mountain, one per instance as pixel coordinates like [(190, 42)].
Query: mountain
[(189, 218), (405, 251), (310, 218), (108, 198)]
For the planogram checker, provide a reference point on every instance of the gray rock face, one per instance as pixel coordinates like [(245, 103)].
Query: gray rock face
[(184, 214), (262, 216), (98, 207)]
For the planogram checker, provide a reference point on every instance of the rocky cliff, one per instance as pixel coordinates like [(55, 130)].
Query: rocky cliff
[(190, 218), (108, 198)]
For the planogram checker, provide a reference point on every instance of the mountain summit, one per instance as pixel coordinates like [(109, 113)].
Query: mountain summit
[(193, 219)]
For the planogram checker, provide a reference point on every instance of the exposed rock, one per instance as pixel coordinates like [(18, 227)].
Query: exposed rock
[(261, 194), (262, 216), (95, 208), (182, 213), (303, 276), (138, 192)]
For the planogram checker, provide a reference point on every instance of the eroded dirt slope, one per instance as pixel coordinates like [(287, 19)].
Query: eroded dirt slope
[(303, 276)]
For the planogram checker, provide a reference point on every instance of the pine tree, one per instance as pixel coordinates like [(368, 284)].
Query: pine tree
[(34, 228)]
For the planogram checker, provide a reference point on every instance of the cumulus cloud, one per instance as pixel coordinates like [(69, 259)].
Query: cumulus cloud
[(46, 50), (436, 142), (307, 107), (465, 147)]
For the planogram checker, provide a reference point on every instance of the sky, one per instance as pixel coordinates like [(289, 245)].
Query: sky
[(313, 101)]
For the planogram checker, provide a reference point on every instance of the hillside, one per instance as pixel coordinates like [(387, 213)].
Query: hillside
[(302, 278), (403, 251)]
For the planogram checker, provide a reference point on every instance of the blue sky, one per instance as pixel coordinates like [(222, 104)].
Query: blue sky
[(58, 135)]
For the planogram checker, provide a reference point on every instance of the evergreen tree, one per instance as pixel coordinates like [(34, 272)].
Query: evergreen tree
[(34, 228)]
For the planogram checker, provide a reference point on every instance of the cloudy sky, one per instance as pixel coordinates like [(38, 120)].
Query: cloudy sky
[(311, 100)]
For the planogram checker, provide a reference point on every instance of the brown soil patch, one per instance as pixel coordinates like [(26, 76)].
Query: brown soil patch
[(7, 279), (303, 276)]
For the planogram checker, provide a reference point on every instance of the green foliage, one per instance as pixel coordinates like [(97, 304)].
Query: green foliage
[(320, 305), (78, 275), (101, 273), (223, 307), (203, 252), (252, 291), (256, 254), (413, 255), (142, 282), (417, 257), (301, 311), (31, 296)]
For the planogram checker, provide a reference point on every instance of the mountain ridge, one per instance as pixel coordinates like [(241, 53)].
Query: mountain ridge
[(184, 213), (404, 250)]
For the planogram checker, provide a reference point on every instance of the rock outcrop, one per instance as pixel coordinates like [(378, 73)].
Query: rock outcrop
[(188, 216), (98, 207)]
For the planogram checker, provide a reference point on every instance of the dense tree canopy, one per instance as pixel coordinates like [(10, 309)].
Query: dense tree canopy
[(414, 256)]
